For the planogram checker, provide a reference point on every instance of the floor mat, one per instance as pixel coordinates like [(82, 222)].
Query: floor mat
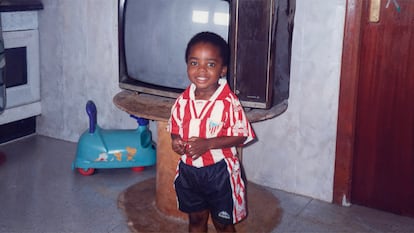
[(138, 204)]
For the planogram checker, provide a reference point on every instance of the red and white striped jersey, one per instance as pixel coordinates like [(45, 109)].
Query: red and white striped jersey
[(221, 115)]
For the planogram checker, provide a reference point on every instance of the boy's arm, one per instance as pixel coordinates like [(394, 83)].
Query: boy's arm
[(197, 146)]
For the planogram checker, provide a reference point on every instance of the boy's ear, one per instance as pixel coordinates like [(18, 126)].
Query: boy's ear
[(224, 71)]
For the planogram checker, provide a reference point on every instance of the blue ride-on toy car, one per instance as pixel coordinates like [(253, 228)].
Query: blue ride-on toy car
[(103, 148)]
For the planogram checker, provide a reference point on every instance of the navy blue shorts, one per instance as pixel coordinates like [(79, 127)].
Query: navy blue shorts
[(210, 188)]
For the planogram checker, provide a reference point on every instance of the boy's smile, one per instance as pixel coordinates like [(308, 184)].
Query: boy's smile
[(204, 69)]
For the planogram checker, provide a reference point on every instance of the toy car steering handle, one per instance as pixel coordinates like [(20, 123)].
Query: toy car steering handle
[(141, 121)]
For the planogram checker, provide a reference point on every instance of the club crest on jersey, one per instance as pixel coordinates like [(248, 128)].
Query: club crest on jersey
[(214, 127)]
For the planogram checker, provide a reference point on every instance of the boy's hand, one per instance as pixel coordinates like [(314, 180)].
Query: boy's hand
[(197, 147), (178, 144)]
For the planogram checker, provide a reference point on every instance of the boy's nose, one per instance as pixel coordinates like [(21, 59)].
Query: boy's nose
[(202, 68)]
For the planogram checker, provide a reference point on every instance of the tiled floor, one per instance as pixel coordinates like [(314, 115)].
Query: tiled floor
[(40, 193)]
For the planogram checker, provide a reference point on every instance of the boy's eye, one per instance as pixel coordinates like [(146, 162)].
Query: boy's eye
[(211, 64), (193, 63)]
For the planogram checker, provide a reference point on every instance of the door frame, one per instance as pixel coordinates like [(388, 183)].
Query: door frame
[(345, 138)]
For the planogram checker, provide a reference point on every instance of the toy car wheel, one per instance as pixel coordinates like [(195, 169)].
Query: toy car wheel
[(86, 172), (138, 169)]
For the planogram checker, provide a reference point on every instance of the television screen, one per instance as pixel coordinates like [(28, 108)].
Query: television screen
[(156, 33)]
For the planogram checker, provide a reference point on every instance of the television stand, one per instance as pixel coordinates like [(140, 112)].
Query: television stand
[(158, 108)]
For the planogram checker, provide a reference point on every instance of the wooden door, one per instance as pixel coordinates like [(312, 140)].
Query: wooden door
[(383, 160)]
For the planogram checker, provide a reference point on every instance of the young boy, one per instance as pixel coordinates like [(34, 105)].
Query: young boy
[(207, 123)]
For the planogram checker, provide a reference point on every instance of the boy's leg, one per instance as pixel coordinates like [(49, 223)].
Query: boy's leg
[(223, 228), (198, 221)]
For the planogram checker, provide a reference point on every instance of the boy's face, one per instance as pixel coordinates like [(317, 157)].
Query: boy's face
[(205, 67)]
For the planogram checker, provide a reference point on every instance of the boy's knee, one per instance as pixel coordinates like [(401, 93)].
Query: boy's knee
[(198, 221), (222, 227)]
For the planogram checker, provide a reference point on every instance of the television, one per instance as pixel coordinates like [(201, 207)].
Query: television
[(153, 35)]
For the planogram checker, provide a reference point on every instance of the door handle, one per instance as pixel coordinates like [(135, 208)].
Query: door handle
[(374, 11)]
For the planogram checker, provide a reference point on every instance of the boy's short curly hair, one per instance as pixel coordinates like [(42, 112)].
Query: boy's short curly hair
[(212, 38)]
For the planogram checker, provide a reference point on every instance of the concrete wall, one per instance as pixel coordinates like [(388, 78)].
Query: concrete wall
[(296, 151)]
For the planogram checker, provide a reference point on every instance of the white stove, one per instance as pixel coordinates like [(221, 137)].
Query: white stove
[(21, 42)]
